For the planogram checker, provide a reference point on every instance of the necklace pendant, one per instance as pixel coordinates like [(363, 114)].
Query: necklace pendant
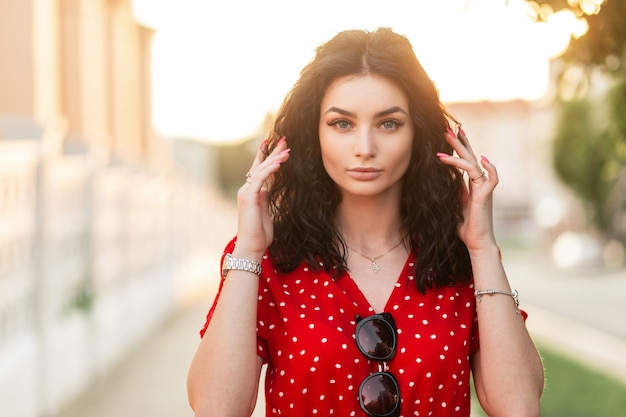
[(375, 266)]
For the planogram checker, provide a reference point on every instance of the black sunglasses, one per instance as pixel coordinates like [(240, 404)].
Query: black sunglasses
[(376, 338)]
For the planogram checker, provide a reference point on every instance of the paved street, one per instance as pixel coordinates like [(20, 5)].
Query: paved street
[(580, 313)]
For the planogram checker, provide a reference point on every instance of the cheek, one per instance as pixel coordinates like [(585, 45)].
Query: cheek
[(401, 160), (329, 158), (329, 151)]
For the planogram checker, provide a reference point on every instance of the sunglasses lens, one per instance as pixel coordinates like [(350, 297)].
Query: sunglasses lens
[(376, 338), (379, 394)]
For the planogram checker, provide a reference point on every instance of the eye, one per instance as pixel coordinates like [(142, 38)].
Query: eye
[(390, 124), (341, 124)]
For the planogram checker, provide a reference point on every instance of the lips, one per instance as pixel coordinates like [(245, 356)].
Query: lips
[(364, 174)]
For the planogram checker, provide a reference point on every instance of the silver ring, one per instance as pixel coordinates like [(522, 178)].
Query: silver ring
[(480, 176)]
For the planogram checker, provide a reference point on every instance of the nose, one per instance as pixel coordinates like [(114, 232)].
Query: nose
[(364, 143)]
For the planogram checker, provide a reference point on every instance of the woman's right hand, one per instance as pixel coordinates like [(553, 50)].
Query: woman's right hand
[(255, 229)]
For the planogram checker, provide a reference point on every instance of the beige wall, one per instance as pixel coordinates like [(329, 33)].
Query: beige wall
[(87, 61), (17, 57)]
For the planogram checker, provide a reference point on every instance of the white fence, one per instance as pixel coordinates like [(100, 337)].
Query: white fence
[(90, 254)]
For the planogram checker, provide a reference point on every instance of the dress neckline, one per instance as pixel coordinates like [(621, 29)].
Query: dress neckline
[(401, 282)]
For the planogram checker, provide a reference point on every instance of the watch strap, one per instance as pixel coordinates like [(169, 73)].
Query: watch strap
[(240, 264)]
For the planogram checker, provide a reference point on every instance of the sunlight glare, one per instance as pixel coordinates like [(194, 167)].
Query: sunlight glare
[(219, 67)]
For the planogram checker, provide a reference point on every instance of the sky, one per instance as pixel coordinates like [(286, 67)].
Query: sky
[(220, 66)]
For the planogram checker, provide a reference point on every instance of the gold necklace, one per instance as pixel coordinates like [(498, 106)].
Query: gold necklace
[(375, 266)]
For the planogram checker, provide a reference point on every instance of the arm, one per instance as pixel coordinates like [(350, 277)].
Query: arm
[(507, 369), (224, 374), (508, 373)]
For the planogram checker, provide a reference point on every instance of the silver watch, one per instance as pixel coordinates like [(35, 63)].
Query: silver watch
[(240, 264)]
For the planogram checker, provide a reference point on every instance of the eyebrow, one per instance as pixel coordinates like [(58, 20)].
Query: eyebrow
[(391, 110)]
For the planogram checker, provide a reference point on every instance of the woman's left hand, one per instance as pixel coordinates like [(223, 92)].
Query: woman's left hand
[(476, 229)]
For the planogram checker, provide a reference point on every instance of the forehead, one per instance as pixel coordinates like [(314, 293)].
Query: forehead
[(364, 91)]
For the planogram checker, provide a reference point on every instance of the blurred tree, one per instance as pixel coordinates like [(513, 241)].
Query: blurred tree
[(604, 44), (590, 143)]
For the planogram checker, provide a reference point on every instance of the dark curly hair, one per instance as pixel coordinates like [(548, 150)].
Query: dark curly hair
[(305, 199)]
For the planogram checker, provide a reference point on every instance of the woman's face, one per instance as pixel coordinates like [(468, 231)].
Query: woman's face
[(366, 135)]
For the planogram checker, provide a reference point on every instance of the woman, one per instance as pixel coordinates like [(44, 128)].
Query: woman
[(363, 265)]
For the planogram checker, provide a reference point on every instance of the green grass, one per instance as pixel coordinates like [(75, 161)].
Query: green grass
[(572, 390)]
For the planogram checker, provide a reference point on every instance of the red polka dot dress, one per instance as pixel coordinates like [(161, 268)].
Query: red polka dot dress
[(306, 323)]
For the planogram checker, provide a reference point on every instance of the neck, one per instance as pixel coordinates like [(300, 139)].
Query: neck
[(369, 227)]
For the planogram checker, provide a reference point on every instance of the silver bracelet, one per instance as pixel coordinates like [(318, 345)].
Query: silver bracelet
[(513, 294), (241, 265)]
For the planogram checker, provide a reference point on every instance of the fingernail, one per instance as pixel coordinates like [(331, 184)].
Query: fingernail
[(484, 158), (450, 132), (442, 155)]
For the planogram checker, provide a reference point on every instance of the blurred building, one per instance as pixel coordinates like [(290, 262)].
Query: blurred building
[(95, 223), (86, 62)]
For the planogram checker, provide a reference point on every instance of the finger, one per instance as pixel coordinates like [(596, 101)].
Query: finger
[(259, 157), (492, 172), (265, 165), (460, 143), (474, 171), (480, 178)]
